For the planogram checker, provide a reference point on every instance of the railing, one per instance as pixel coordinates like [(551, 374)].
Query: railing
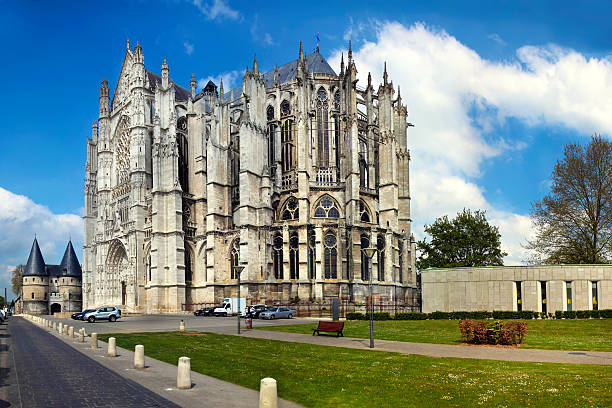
[(190, 229), (325, 176), (288, 181)]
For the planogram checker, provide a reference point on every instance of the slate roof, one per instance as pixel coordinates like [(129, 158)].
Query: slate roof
[(70, 264), (181, 93), (36, 264), (315, 62)]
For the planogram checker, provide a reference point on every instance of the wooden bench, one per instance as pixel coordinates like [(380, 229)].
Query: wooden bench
[(329, 327)]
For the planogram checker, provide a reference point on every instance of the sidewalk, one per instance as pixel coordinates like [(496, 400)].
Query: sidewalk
[(160, 377), (442, 350)]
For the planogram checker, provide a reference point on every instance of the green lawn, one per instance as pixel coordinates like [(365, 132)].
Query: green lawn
[(591, 335), (318, 376)]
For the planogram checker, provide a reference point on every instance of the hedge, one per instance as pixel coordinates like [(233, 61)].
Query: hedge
[(483, 315), (495, 332)]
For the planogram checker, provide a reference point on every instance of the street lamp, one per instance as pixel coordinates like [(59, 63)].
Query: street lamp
[(238, 269), (369, 253)]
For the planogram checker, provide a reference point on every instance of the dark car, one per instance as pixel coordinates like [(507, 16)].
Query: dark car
[(256, 310), (79, 316), (207, 311)]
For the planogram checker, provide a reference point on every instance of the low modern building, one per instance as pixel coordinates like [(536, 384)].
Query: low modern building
[(541, 288), (49, 289)]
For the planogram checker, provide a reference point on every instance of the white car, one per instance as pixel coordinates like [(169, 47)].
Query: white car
[(110, 313)]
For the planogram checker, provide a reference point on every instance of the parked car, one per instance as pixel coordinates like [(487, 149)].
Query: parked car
[(256, 310), (278, 313), (110, 313), (79, 315), (2, 316), (207, 311)]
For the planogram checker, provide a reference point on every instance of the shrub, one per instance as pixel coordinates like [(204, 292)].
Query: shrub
[(381, 316), (410, 316), (527, 314), (495, 332), (606, 313), (569, 314), (595, 314), (559, 314), (583, 314), (439, 315), (354, 316)]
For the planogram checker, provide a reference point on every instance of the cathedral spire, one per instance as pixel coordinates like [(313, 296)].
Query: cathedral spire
[(193, 85), (127, 44), (104, 99), (385, 76), (255, 64), (165, 71), (275, 75), (221, 97), (399, 97), (342, 65), (94, 131), (369, 79), (350, 53), (301, 53)]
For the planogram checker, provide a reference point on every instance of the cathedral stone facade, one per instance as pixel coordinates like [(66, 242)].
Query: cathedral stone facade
[(291, 174)]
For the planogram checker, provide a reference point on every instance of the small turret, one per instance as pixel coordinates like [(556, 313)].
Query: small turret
[(385, 76), (127, 44), (369, 79), (36, 264), (104, 99), (275, 75), (165, 71), (221, 97), (350, 53), (94, 131), (193, 85), (301, 53), (255, 64), (342, 65), (70, 263), (138, 56)]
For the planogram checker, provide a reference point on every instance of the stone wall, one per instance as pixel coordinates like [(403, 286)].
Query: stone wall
[(497, 288)]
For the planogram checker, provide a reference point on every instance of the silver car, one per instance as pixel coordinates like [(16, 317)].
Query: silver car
[(278, 313), (110, 313)]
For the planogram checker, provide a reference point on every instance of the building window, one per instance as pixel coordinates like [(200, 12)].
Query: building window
[(285, 108), (290, 210), (287, 146), (595, 298), (327, 207), (235, 166), (45, 295), (188, 266), (330, 255), (519, 296), (183, 151), (364, 214), (32, 295), (293, 255), (277, 248), (322, 129), (271, 141), (234, 258), (543, 290), (365, 272), (400, 249), (311, 254), (270, 113), (380, 246), (363, 161), (337, 139), (568, 293)]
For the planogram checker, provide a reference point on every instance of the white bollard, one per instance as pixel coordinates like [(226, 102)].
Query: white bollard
[(60, 328), (94, 340), (183, 378), (71, 332), (182, 326), (267, 393), (139, 356), (81, 338), (112, 347), (66, 329)]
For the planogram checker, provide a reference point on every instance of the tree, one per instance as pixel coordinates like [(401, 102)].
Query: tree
[(466, 240), (573, 221), (17, 279)]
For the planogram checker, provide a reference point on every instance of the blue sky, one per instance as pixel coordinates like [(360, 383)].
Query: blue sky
[(495, 91)]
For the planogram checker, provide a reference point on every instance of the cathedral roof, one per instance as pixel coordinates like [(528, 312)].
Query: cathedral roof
[(70, 264), (181, 93), (316, 64), (36, 263)]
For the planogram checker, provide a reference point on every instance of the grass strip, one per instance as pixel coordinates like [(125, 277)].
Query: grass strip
[(589, 335), (320, 376)]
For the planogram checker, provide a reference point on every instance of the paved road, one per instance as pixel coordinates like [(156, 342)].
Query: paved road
[(46, 372), (166, 322)]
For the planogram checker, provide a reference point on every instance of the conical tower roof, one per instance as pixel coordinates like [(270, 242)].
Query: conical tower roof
[(70, 263), (36, 263)]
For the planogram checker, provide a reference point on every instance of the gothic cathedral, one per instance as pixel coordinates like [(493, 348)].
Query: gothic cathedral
[(291, 175)]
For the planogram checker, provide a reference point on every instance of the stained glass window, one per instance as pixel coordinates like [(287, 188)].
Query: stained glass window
[(330, 255), (327, 207)]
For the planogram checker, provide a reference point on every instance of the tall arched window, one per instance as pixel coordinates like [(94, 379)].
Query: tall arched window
[(364, 214), (287, 146), (322, 129), (400, 248), (183, 151), (326, 207), (277, 255), (363, 161), (271, 141), (330, 255), (380, 246), (365, 270), (311, 254), (293, 255), (234, 257), (337, 139), (235, 166), (188, 265), (290, 210)]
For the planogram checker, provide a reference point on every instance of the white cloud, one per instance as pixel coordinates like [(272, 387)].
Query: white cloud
[(265, 38), (443, 82), (231, 79), (188, 47), (216, 9), (21, 219), (495, 37)]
